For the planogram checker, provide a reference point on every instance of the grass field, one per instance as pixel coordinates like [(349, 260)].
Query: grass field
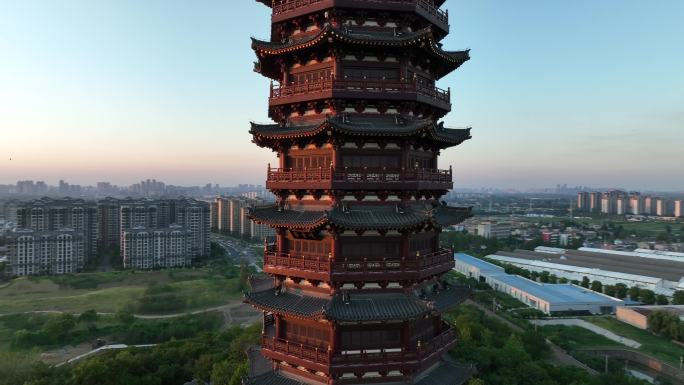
[(574, 337), (650, 344), (109, 292)]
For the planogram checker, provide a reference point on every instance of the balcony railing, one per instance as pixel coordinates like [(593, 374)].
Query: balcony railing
[(393, 355), (361, 86), (325, 357), (284, 6), (293, 349), (323, 264), (358, 175)]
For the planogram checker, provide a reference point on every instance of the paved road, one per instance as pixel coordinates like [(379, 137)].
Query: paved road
[(238, 250), (591, 327)]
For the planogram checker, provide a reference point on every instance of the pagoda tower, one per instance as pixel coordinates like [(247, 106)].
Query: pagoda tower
[(355, 294)]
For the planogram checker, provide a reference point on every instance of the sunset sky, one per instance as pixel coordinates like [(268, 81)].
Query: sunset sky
[(580, 92)]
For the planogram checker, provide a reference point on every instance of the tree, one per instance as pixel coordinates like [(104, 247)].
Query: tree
[(563, 280), (661, 300), (476, 381), (585, 282), (125, 317), (544, 277), (621, 291), (597, 286), (89, 316), (634, 293), (647, 296), (678, 297), (609, 290)]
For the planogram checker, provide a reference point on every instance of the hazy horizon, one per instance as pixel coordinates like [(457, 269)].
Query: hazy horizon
[(582, 93)]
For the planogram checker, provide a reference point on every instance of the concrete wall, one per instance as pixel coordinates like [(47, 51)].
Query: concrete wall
[(627, 315)]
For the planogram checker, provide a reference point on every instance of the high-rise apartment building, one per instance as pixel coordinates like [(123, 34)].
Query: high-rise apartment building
[(584, 201), (144, 220), (47, 214), (595, 202), (679, 208), (636, 204), (109, 223), (663, 207), (231, 215), (156, 248), (46, 252)]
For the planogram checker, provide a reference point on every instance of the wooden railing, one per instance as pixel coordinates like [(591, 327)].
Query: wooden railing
[(324, 356), (284, 6), (301, 351), (353, 174), (317, 174), (364, 86), (323, 264), (393, 355)]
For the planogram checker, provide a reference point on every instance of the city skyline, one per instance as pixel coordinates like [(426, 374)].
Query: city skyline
[(99, 89)]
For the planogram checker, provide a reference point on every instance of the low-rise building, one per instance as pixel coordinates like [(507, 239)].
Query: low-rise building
[(637, 316), (663, 276), (547, 298)]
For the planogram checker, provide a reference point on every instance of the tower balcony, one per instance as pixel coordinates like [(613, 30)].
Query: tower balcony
[(285, 9), (406, 90), (354, 178), (328, 362), (321, 267)]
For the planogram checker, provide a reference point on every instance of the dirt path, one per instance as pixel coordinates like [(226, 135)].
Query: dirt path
[(229, 308), (558, 355), (591, 327)]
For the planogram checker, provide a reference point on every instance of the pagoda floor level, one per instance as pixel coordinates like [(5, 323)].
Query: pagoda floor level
[(445, 372)]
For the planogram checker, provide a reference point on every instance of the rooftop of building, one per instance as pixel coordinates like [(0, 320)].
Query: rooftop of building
[(351, 306), (616, 262), (552, 293), (362, 217), (484, 266), (382, 125), (677, 310)]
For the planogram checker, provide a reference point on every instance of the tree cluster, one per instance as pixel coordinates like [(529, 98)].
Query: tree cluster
[(218, 358), (666, 324), (506, 357)]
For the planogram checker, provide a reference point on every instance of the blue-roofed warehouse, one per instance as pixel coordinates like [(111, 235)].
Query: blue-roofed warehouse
[(546, 297)]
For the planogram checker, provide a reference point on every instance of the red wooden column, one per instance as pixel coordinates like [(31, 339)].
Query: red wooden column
[(334, 337), (280, 241), (278, 325)]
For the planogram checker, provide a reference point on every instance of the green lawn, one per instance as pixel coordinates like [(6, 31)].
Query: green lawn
[(575, 337), (650, 344), (109, 292)]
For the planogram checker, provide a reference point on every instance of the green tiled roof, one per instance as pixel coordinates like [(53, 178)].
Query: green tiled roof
[(272, 378), (376, 307), (362, 217), (278, 301), (448, 372), (357, 306)]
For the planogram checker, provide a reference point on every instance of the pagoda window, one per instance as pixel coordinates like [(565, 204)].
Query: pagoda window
[(424, 161), (373, 161), (305, 333), (371, 73), (305, 247), (421, 80), (305, 77), (423, 243), (372, 247), (371, 337), (314, 161), (423, 330)]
